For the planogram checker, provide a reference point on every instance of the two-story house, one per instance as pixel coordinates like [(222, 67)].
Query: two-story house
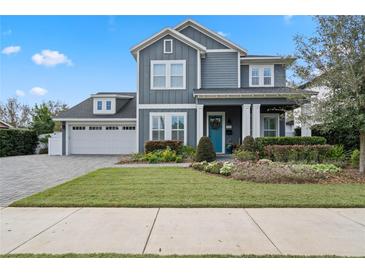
[(191, 82)]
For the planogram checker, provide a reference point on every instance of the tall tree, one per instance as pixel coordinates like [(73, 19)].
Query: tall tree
[(15, 113), (335, 58), (56, 107), (42, 119)]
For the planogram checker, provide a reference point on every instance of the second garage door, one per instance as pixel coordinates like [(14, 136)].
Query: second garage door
[(102, 139)]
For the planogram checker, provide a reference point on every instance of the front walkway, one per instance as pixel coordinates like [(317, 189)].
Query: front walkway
[(21, 176), (282, 231)]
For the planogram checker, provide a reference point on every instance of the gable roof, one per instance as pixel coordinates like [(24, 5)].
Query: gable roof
[(5, 125), (84, 110), (163, 33), (211, 34)]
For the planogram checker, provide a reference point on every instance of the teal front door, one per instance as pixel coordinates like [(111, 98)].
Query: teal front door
[(215, 131)]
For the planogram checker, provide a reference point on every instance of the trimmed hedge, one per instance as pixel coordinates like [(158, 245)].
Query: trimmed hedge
[(17, 142), (261, 142), (298, 153), (205, 150), (151, 146)]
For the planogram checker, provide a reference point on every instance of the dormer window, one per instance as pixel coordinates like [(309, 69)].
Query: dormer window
[(167, 46), (100, 105), (108, 105), (261, 75)]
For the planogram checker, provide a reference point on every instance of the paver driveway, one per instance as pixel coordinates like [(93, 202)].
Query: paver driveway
[(21, 176)]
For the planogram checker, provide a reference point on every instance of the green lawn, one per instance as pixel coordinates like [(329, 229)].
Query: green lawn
[(185, 187)]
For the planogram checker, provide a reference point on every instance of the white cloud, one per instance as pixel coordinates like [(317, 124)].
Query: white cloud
[(19, 93), (38, 91), (11, 50), (51, 58), (224, 34), (288, 19)]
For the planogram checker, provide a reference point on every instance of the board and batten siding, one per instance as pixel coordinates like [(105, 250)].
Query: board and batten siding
[(202, 39), (220, 70), (144, 125), (181, 51)]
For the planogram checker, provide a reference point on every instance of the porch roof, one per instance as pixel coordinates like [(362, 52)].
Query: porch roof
[(253, 92)]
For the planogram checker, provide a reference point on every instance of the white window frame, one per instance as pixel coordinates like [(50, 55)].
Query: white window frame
[(101, 105), (168, 64), (168, 123), (276, 116), (261, 69), (106, 105), (164, 46)]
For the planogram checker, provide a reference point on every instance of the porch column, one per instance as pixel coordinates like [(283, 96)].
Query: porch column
[(306, 130), (199, 122), (246, 120), (256, 120)]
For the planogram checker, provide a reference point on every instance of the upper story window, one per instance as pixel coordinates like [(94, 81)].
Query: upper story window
[(99, 105), (108, 105), (261, 75), (167, 46), (168, 74)]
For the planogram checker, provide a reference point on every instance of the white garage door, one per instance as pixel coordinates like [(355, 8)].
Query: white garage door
[(102, 139)]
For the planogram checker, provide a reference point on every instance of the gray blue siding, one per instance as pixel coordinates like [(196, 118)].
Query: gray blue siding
[(144, 125), (220, 70), (279, 76), (202, 39), (181, 51)]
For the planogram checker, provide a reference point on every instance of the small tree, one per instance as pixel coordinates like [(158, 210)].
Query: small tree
[(15, 113), (205, 150), (42, 119), (335, 58), (249, 144)]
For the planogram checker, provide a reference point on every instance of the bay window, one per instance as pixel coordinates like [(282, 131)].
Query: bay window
[(168, 74), (168, 126)]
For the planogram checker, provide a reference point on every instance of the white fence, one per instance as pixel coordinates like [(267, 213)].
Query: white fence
[(55, 144)]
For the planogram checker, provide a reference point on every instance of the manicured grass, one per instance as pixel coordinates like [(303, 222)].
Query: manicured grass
[(185, 187)]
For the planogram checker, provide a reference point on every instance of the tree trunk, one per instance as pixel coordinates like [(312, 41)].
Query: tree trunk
[(362, 153)]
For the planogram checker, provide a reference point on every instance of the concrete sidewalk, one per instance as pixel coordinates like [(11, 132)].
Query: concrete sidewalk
[(294, 231)]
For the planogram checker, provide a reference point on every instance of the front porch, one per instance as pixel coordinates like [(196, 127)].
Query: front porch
[(228, 125)]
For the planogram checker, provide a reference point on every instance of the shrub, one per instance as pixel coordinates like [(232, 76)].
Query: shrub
[(243, 155), (226, 169), (187, 152), (17, 142), (276, 173), (205, 150), (151, 146), (200, 165), (325, 168), (261, 142), (336, 152), (355, 158), (158, 156), (297, 153), (138, 157), (213, 167), (249, 144)]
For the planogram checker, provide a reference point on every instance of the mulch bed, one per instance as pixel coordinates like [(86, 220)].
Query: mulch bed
[(346, 176)]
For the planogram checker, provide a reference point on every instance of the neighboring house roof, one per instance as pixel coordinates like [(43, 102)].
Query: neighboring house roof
[(5, 125), (84, 110), (252, 92), (210, 33), (163, 33), (268, 58)]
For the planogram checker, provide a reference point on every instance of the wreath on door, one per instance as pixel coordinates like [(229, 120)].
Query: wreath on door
[(215, 123)]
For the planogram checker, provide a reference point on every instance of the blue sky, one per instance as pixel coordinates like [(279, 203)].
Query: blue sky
[(67, 58)]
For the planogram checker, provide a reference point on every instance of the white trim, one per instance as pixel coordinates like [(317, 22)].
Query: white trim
[(246, 95), (222, 50), (246, 120), (239, 71), (106, 95), (215, 36), (270, 115), (275, 60), (137, 105), (67, 138), (199, 122), (94, 119), (103, 110), (167, 106), (168, 125), (168, 75), (164, 46), (261, 69), (167, 31), (198, 76), (223, 128)]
